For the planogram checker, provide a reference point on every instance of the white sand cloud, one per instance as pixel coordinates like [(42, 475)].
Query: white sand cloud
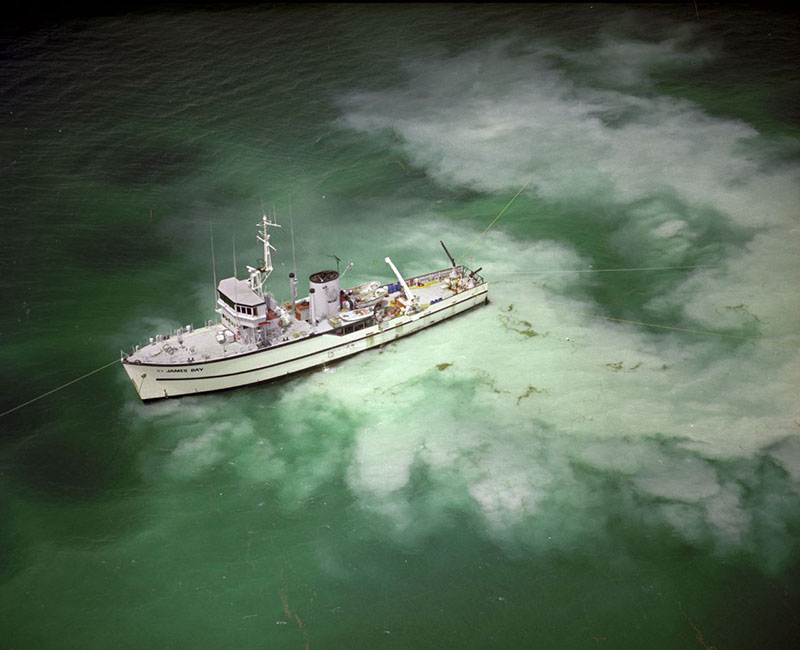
[(489, 120), (539, 401)]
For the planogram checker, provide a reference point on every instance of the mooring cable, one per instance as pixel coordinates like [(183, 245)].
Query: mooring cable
[(50, 392), (641, 268), (494, 221), (671, 327)]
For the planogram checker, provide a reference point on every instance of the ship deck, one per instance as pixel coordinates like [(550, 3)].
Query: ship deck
[(203, 344)]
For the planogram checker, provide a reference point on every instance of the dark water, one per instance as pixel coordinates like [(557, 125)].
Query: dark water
[(528, 475)]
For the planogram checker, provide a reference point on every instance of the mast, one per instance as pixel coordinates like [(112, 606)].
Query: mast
[(259, 276), (213, 263)]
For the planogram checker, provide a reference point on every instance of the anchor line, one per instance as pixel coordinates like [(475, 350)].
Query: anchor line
[(641, 268), (50, 392), (494, 221), (619, 320), (671, 327)]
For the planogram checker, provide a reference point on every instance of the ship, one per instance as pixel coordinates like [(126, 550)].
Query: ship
[(256, 339)]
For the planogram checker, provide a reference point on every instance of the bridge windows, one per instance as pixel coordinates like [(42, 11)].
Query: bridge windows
[(244, 309)]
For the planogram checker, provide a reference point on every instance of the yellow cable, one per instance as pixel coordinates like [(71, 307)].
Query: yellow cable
[(642, 268), (494, 221), (671, 327)]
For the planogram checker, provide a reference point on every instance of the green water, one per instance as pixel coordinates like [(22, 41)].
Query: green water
[(527, 475)]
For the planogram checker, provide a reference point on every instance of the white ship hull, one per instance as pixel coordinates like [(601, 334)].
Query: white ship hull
[(160, 380)]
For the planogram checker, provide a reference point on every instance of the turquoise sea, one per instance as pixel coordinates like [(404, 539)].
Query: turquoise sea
[(605, 456)]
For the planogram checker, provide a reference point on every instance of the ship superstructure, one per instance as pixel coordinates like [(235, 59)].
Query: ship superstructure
[(258, 339)]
